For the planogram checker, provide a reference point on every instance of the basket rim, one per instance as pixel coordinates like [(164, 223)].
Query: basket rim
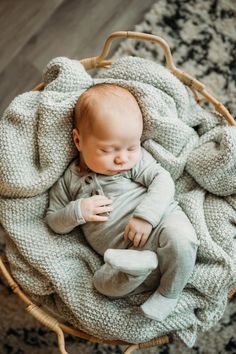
[(195, 85), (50, 321)]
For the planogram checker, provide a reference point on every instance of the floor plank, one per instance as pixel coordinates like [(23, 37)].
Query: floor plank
[(19, 20), (72, 28), (18, 77), (83, 35)]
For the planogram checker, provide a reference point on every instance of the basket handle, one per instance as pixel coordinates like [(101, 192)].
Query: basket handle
[(195, 85), (99, 61)]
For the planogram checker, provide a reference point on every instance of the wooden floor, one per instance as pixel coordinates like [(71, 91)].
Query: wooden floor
[(33, 32)]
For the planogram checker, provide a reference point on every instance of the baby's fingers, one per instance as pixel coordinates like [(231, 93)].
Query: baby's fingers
[(126, 233), (143, 240), (97, 218), (137, 239), (103, 209), (102, 201), (131, 235)]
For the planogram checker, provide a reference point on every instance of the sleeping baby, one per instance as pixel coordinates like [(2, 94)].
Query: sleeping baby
[(124, 202)]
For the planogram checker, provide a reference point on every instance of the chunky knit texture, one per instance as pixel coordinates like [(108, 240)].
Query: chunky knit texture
[(197, 147)]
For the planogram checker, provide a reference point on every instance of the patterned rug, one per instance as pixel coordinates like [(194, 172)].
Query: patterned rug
[(201, 35)]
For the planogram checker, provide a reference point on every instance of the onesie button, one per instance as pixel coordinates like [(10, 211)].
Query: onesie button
[(95, 192), (88, 179)]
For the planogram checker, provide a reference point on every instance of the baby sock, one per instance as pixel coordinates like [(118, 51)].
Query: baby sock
[(131, 261), (158, 307)]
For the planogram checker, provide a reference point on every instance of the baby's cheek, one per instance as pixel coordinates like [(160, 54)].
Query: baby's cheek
[(135, 158), (98, 163), (107, 160), (103, 160)]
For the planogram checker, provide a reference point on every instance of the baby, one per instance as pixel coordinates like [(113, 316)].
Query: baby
[(124, 202)]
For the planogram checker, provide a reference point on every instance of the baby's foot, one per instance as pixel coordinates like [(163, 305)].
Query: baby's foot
[(131, 261), (158, 307)]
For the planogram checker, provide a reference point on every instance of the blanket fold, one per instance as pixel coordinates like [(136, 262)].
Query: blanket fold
[(197, 147)]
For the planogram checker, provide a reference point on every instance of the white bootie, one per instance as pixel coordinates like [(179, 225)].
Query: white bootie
[(131, 261)]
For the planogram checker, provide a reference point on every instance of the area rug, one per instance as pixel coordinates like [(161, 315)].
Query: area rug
[(201, 35)]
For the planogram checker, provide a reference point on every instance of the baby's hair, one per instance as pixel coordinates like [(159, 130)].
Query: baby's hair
[(85, 104)]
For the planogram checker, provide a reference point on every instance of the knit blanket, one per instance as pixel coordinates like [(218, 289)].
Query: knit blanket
[(196, 146)]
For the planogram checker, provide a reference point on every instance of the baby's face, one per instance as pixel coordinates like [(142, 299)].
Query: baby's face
[(113, 145)]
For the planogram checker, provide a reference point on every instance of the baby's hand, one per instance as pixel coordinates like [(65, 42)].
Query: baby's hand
[(97, 204), (138, 231)]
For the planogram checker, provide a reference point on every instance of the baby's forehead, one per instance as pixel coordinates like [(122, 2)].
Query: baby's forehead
[(112, 97)]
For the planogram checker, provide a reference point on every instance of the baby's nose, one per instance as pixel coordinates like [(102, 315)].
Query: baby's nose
[(121, 158)]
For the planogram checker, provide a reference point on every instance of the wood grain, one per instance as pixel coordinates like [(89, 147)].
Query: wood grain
[(35, 32)]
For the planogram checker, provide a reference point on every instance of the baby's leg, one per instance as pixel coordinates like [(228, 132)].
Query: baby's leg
[(123, 271), (176, 253)]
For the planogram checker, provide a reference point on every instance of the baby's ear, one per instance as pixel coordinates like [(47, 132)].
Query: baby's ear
[(76, 138)]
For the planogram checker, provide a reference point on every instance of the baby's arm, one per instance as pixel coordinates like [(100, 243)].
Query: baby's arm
[(64, 214), (160, 189), (160, 193)]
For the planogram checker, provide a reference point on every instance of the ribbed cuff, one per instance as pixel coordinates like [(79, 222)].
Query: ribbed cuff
[(79, 216)]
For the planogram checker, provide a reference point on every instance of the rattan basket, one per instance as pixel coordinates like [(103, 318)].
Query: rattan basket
[(200, 93)]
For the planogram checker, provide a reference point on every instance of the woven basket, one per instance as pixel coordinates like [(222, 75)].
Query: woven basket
[(40, 313)]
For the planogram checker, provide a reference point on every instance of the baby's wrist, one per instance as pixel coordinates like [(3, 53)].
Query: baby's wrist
[(142, 219)]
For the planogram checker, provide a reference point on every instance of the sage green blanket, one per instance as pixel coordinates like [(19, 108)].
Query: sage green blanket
[(197, 147)]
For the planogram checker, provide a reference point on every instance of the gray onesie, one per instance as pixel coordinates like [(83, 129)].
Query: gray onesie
[(146, 191)]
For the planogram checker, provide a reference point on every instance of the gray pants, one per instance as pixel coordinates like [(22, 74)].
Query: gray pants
[(175, 242)]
